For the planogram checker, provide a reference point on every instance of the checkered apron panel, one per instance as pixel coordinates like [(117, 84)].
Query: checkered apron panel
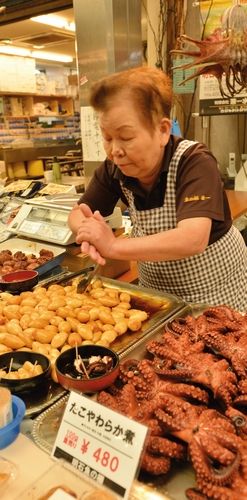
[(219, 275)]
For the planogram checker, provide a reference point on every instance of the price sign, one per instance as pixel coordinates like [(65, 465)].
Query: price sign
[(100, 443)]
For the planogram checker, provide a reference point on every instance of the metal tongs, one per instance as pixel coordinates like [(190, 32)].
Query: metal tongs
[(86, 280), (63, 277)]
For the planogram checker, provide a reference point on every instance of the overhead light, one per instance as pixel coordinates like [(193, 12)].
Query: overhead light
[(55, 21), (51, 56), (37, 54), (6, 40), (15, 51), (38, 47)]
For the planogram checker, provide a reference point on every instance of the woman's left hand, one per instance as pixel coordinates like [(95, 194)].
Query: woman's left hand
[(95, 237)]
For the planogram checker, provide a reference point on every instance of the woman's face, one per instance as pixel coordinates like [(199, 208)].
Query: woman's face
[(129, 144)]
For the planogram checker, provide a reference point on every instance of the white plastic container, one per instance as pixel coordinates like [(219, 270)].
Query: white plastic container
[(241, 178)]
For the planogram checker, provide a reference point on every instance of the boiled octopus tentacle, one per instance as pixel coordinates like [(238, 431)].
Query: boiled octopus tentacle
[(155, 387), (239, 420), (172, 347), (130, 372), (196, 366), (236, 489), (233, 350), (205, 469), (155, 465), (224, 313), (194, 494), (157, 444)]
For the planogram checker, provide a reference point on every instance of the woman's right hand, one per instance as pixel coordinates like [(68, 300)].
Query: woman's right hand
[(86, 247)]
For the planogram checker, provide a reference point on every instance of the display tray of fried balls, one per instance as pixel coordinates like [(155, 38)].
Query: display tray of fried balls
[(19, 260), (49, 321)]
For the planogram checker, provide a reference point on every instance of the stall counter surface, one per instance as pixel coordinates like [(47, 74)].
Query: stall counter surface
[(37, 472), (21, 452)]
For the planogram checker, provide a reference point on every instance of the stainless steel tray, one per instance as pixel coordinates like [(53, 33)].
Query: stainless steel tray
[(29, 246), (160, 306), (169, 487), (36, 403)]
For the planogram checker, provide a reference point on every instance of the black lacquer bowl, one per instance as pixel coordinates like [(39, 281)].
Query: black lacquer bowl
[(16, 360), (68, 376)]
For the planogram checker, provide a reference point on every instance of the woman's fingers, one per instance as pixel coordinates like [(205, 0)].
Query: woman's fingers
[(96, 256), (97, 215), (93, 253), (85, 247), (85, 210)]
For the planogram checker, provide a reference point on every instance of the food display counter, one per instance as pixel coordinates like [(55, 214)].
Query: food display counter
[(44, 412), (165, 313), (159, 307)]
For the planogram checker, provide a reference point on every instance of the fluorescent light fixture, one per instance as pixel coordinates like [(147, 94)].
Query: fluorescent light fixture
[(38, 46), (15, 51), (37, 54), (51, 56), (55, 21), (6, 40)]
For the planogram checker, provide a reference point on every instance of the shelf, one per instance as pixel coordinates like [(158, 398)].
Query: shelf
[(27, 117), (23, 94), (10, 155)]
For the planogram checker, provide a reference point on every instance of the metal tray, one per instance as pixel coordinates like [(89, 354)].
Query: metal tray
[(29, 246), (169, 487), (160, 306), (36, 403)]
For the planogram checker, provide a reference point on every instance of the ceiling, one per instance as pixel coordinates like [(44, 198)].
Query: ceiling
[(28, 33)]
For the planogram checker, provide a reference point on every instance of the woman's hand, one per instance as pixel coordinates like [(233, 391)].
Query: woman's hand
[(94, 235)]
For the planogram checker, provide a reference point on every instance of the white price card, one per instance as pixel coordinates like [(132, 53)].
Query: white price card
[(101, 443)]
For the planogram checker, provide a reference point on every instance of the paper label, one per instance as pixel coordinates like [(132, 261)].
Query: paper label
[(101, 443)]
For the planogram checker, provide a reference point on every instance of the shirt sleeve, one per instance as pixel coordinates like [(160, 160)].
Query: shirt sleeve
[(199, 186), (102, 192)]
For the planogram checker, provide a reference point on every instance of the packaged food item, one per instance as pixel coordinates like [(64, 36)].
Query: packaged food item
[(6, 414), (8, 472), (62, 482), (57, 491)]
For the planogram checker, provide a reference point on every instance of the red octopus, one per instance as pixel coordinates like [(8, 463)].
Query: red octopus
[(235, 489), (214, 447), (179, 358), (159, 449), (224, 52)]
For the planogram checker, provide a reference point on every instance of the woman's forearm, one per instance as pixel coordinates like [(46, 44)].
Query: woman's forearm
[(175, 244)]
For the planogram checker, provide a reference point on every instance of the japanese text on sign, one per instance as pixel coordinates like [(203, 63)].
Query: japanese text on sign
[(100, 443)]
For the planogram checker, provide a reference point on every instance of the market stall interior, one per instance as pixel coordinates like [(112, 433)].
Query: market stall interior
[(91, 331)]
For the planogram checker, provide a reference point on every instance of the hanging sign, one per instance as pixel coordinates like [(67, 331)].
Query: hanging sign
[(91, 135), (179, 75), (211, 101), (100, 443)]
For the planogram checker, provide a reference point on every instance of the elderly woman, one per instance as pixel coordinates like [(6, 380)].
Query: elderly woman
[(183, 237)]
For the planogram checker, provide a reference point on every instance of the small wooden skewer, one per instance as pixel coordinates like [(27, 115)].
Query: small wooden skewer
[(84, 368), (78, 357), (35, 363), (10, 365)]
